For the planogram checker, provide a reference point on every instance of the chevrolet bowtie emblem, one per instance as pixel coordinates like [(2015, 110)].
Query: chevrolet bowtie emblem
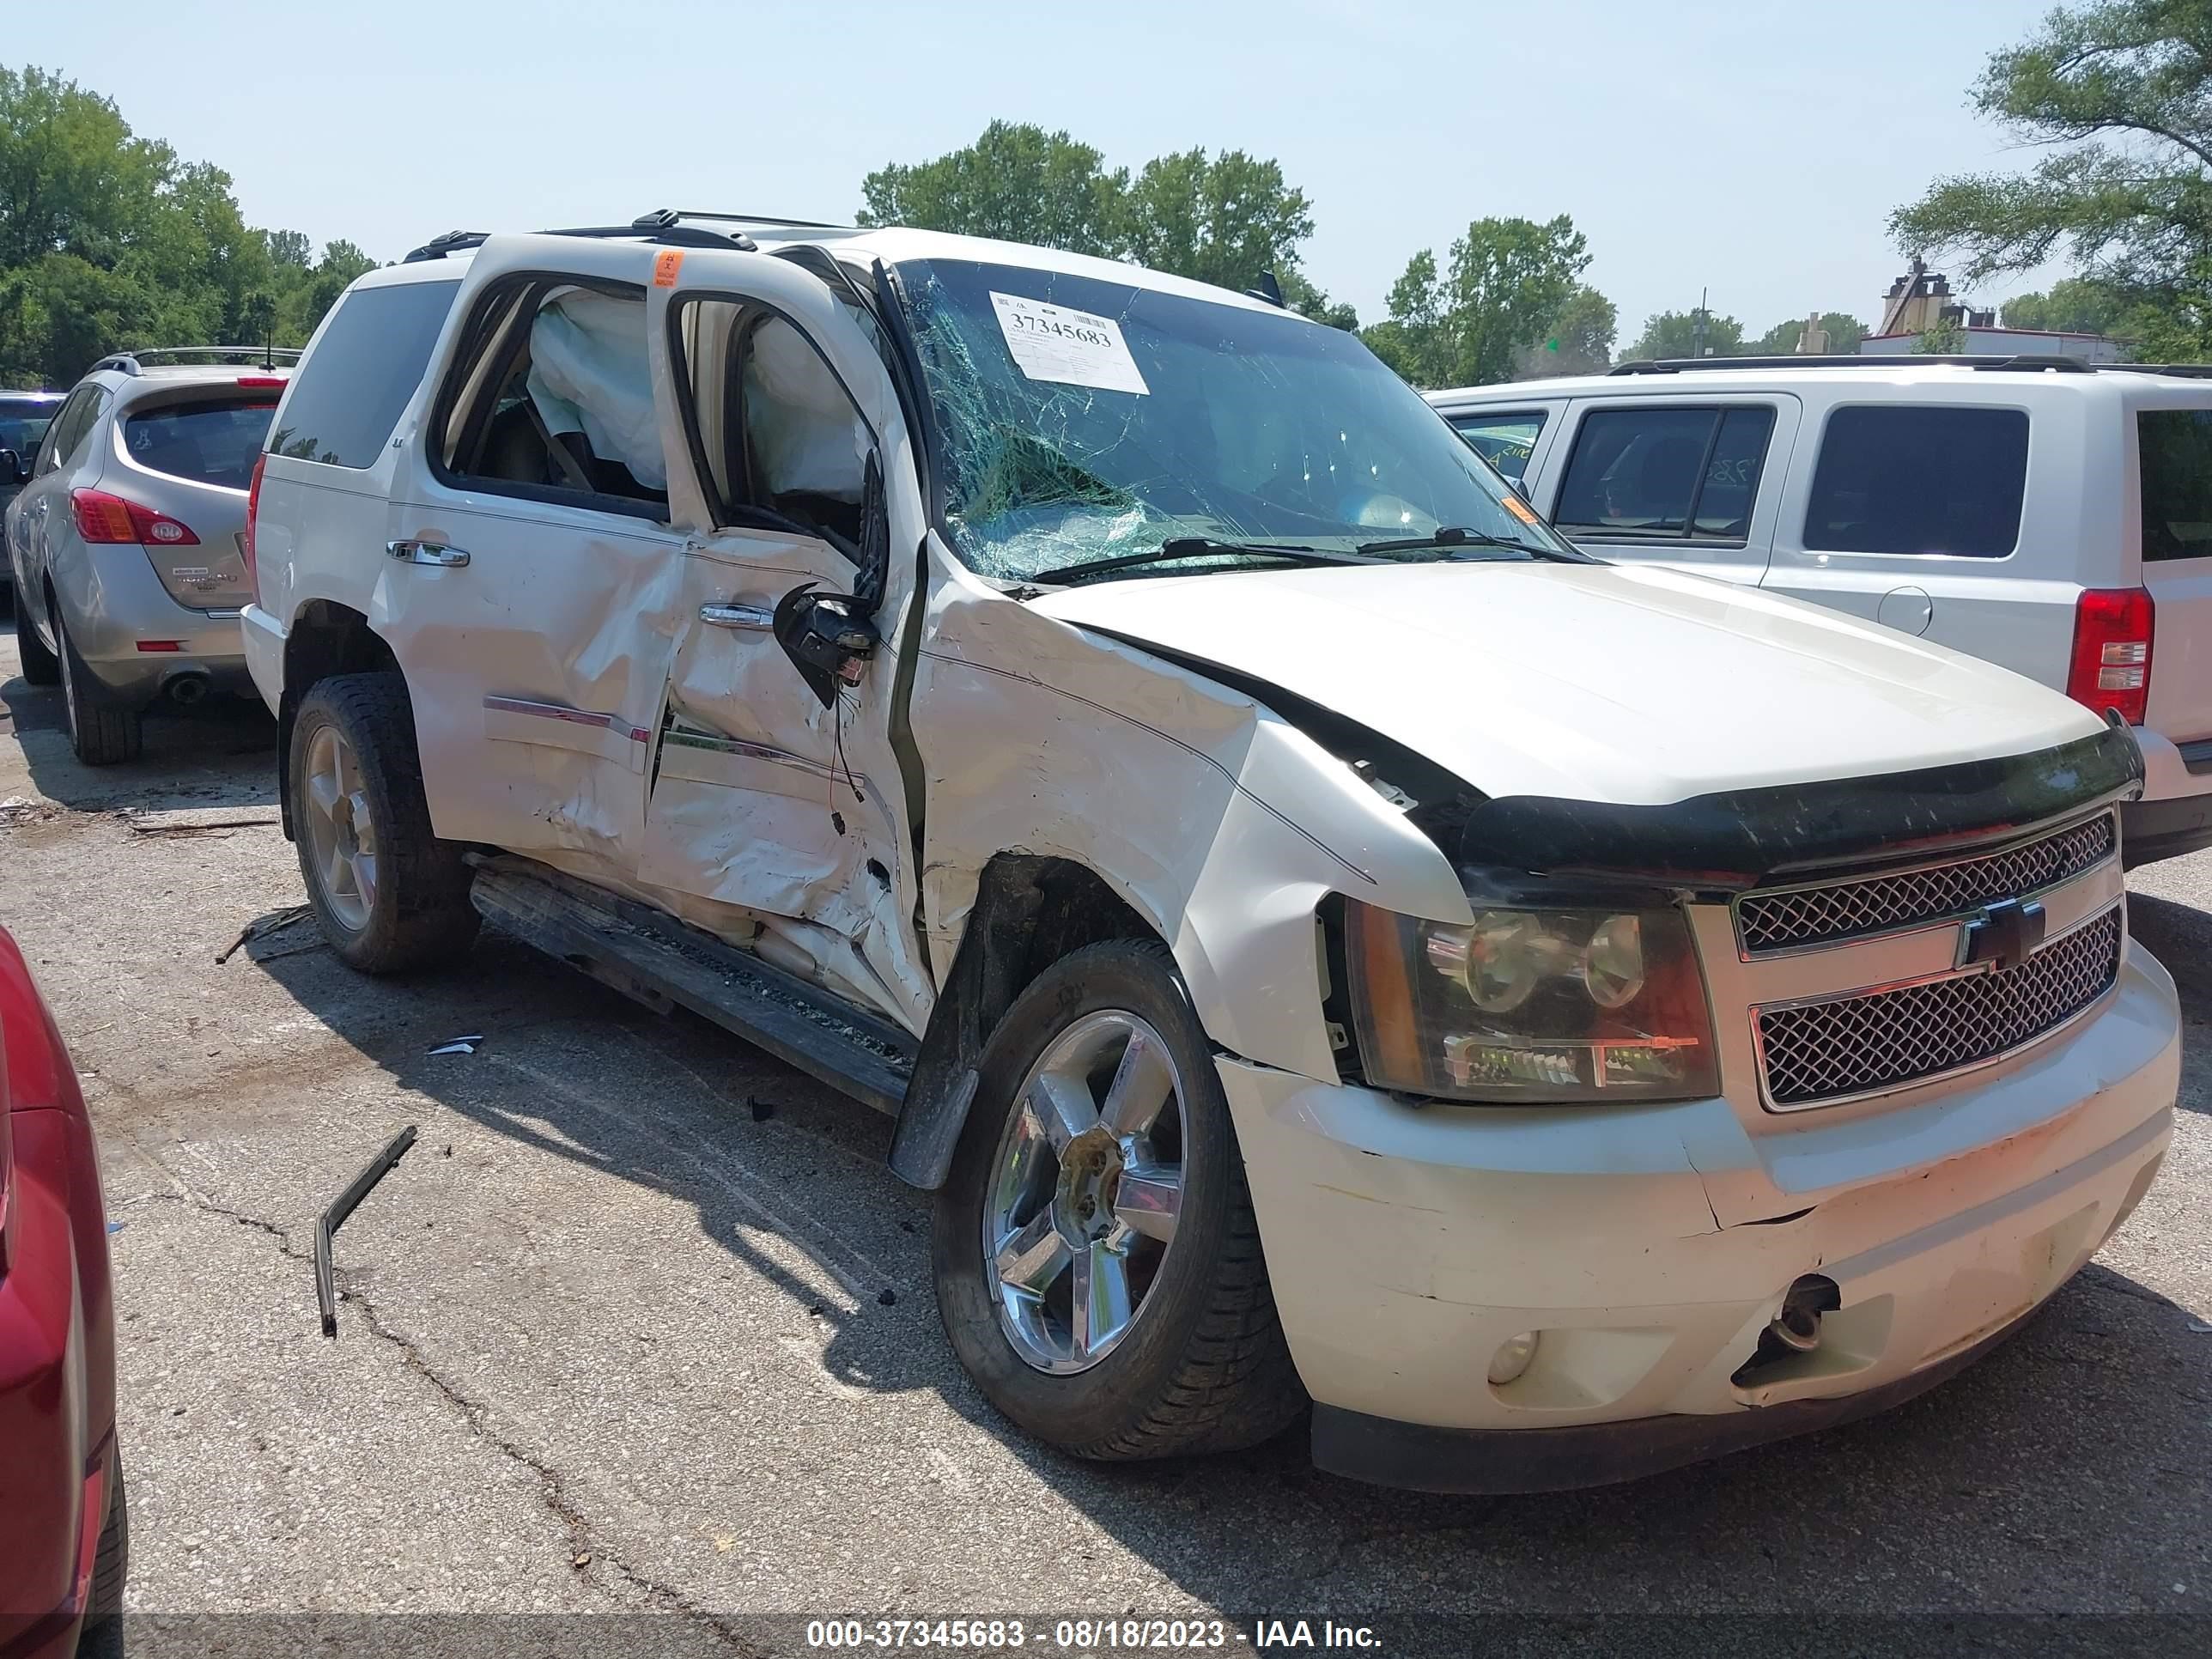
[(2003, 935)]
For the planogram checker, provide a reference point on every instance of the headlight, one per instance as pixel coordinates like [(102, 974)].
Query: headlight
[(1531, 1005)]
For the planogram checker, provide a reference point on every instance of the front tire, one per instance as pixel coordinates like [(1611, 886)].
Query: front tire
[(389, 894), (1096, 1260), (103, 732)]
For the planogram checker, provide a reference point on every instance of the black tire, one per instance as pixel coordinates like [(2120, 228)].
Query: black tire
[(112, 1565), (420, 912), (102, 730), (40, 665), (1204, 1367)]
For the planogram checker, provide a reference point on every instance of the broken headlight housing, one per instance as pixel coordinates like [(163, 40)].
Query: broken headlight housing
[(1530, 1006)]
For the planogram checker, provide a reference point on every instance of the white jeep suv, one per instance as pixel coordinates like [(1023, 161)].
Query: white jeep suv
[(2037, 511), (1320, 936)]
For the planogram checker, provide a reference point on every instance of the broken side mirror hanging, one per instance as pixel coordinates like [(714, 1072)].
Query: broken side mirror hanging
[(827, 637)]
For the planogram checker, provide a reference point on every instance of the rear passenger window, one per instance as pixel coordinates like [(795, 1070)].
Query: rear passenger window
[(349, 394), (552, 399), (778, 434), (215, 443), (2175, 451), (1658, 474), (71, 425), (1505, 441), (1909, 478)]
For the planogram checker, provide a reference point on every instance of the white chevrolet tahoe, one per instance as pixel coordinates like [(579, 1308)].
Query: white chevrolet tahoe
[(2046, 515), (1322, 938)]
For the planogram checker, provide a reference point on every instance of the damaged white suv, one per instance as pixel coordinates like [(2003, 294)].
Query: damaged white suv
[(1322, 937)]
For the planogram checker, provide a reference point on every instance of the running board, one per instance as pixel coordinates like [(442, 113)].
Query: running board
[(665, 964)]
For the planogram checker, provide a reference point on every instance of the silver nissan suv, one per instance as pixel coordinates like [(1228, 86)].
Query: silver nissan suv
[(124, 543)]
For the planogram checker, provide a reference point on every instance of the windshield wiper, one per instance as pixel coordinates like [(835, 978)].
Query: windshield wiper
[(1191, 547), (1452, 535)]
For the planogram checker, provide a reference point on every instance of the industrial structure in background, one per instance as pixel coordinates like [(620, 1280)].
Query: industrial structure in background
[(1920, 304)]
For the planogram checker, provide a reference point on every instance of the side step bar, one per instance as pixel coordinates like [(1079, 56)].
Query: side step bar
[(665, 964)]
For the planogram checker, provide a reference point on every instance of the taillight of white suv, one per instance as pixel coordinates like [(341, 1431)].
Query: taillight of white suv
[(2111, 665), (246, 541)]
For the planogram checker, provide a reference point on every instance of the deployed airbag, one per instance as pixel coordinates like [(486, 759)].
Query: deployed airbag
[(806, 437), (589, 373)]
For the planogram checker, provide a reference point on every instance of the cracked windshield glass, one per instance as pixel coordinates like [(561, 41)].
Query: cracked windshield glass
[(1092, 429)]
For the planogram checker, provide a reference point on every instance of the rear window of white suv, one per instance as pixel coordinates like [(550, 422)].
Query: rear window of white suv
[(2175, 447), (350, 392), (1918, 478)]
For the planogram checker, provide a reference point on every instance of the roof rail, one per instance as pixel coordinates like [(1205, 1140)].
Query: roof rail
[(137, 360), (2185, 371), (1910, 360), (663, 225), (747, 219)]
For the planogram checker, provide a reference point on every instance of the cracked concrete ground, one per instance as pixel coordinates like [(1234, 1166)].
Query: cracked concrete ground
[(614, 1340)]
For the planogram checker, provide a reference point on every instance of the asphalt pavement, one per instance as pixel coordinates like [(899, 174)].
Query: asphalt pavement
[(642, 1325)]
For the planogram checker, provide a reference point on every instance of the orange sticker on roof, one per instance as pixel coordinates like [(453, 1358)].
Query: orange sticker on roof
[(1519, 509), (665, 267)]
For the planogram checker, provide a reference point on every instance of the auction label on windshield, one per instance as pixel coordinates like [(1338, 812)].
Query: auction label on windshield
[(1073, 348)]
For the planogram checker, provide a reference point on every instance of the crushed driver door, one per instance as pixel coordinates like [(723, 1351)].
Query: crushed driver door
[(776, 788)]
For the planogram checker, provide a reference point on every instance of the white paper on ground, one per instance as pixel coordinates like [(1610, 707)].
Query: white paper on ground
[(1073, 348)]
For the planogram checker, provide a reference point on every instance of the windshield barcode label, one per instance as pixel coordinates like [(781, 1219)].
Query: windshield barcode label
[(1070, 347)]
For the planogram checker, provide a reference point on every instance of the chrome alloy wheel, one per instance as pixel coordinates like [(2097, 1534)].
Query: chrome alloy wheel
[(1086, 1190), (340, 833)]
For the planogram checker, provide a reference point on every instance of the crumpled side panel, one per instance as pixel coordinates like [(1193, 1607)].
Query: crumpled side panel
[(1221, 825)]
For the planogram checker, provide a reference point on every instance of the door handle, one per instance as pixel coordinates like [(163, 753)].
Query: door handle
[(751, 618), (430, 553)]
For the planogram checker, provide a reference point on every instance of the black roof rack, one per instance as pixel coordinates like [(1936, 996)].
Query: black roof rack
[(663, 225), (1908, 360), (135, 361)]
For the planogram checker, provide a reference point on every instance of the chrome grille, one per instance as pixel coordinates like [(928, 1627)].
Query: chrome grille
[(1853, 1045), (1849, 910)]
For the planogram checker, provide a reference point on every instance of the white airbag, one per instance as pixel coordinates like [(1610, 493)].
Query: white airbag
[(589, 373)]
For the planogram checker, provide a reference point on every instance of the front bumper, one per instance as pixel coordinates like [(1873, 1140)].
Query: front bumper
[(1406, 1245)]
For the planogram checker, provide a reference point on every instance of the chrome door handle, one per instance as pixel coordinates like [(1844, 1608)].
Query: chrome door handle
[(748, 616), (431, 553)]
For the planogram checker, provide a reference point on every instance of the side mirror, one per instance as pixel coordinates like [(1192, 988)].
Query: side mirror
[(827, 637), (11, 469)]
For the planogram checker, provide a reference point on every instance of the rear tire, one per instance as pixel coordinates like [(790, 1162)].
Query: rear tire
[(390, 895), (1195, 1360), (112, 1565), (40, 665), (103, 732)]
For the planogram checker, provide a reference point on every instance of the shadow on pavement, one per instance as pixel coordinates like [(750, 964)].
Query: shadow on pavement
[(222, 752), (2065, 1470)]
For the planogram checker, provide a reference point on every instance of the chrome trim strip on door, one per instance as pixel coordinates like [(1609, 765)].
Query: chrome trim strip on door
[(561, 711), (681, 739)]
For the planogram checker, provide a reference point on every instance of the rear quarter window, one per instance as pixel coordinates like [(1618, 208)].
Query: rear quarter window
[(1917, 478), (214, 442), (349, 393), (2174, 451)]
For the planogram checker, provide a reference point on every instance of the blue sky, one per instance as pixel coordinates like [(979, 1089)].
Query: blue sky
[(1752, 148)]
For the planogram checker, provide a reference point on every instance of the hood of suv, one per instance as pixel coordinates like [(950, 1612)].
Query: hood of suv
[(1632, 685)]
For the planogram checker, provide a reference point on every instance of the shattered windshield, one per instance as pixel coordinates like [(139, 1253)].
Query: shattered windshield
[(1089, 420)]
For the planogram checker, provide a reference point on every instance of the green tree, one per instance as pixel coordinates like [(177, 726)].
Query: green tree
[(1017, 183), (1224, 220), (1942, 340), (1507, 281), (2073, 306), (2119, 91), (1844, 330), (109, 240), (1578, 342), (1674, 334), (1302, 297)]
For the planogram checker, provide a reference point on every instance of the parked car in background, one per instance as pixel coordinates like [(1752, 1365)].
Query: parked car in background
[(23, 419), (125, 542), (2035, 512), (64, 1525), (1320, 935)]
